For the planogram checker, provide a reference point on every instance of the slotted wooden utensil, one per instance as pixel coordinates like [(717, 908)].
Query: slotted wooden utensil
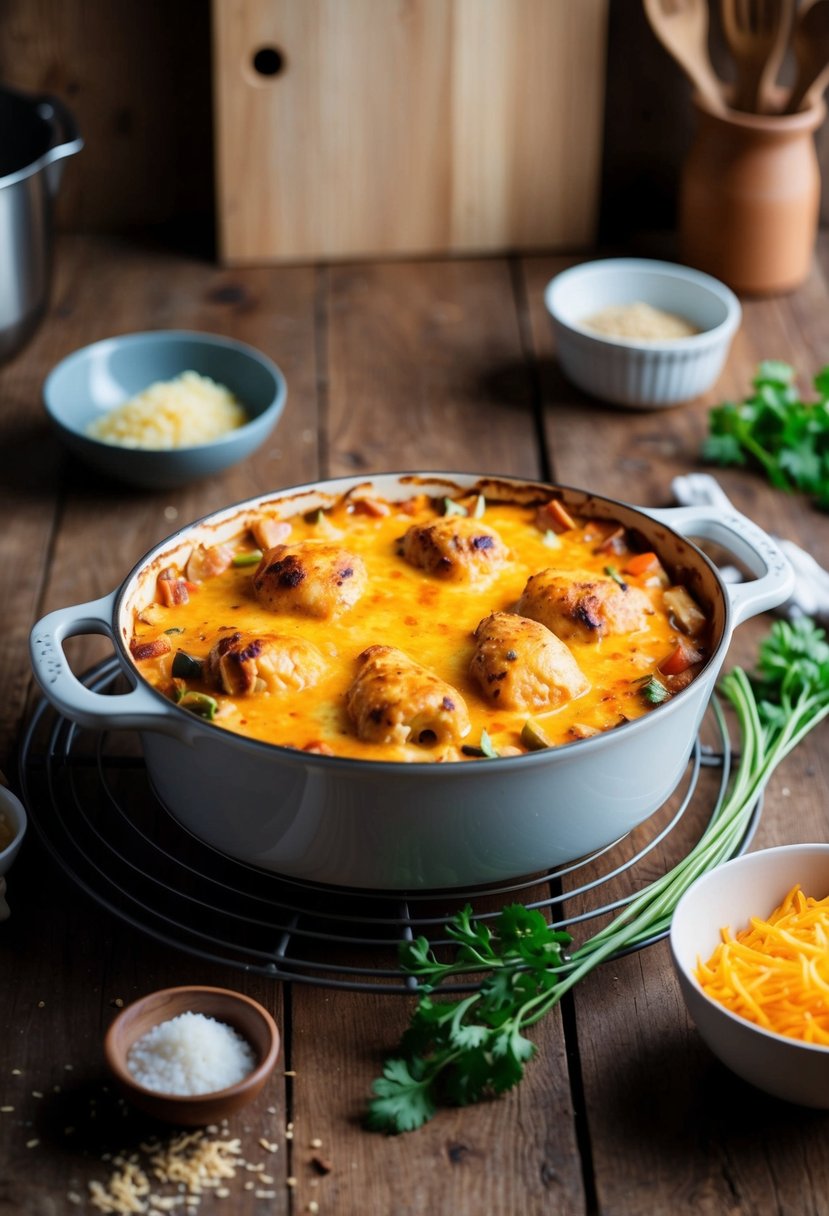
[(757, 33), (810, 42), (682, 28)]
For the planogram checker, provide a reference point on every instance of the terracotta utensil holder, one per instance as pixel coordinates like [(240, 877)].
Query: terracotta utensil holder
[(749, 198)]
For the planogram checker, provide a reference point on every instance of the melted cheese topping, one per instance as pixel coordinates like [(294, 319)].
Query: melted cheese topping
[(430, 620)]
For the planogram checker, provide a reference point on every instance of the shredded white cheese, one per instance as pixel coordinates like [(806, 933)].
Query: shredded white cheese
[(185, 412)]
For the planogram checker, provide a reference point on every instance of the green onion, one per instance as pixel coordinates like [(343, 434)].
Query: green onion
[(654, 691), (551, 539), (174, 629), (485, 748), (613, 573), (251, 558), (450, 507), (199, 703)]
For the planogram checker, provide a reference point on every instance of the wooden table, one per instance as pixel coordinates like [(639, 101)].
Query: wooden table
[(444, 365)]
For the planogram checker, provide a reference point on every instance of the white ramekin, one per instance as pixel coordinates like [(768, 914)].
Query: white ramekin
[(633, 372)]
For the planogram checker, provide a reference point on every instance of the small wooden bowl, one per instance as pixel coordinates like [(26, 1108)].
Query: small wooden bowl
[(245, 1015)]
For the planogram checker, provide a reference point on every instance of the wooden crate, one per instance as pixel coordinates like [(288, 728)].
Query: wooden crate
[(401, 127)]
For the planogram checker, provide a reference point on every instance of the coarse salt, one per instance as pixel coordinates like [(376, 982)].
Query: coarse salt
[(190, 1054)]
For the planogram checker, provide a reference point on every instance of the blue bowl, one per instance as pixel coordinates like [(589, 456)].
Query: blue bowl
[(104, 375)]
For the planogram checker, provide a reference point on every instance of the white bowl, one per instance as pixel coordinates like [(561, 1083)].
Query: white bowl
[(636, 372), (752, 885), (12, 809)]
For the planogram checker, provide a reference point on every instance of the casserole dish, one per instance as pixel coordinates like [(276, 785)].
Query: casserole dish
[(395, 826)]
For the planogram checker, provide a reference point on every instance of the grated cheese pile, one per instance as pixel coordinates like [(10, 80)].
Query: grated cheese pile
[(185, 412), (775, 973), (190, 1054), (640, 322), (192, 1162)]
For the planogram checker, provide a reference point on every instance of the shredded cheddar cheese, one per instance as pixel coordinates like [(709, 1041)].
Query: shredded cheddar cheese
[(775, 973)]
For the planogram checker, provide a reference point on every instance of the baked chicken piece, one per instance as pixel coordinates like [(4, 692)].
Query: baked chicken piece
[(394, 700), (520, 664), (243, 663), (579, 606), (454, 548), (310, 578)]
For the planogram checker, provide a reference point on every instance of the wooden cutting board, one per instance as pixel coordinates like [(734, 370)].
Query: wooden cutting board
[(351, 128)]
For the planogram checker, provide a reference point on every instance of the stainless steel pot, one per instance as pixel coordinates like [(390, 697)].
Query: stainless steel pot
[(36, 136), (398, 826)]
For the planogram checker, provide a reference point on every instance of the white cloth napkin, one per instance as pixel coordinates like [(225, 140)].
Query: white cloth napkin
[(811, 592)]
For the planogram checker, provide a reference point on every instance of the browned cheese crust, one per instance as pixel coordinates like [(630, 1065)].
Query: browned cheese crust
[(577, 606), (243, 663), (310, 578), (455, 548), (520, 664), (394, 700)]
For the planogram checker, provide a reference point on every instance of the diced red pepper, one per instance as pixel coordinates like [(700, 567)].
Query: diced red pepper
[(371, 507), (174, 591), (553, 515), (680, 659), (641, 563)]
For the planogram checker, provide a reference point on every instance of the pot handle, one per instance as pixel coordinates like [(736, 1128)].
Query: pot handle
[(774, 581), (138, 709), (67, 139)]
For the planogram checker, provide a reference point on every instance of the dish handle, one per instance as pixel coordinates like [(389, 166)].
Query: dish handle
[(137, 709), (774, 577), (66, 138)]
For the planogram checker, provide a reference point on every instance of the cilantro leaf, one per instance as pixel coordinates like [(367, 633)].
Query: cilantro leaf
[(775, 430), (403, 1099)]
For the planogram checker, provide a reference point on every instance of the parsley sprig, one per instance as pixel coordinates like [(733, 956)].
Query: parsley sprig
[(775, 430), (459, 1051)]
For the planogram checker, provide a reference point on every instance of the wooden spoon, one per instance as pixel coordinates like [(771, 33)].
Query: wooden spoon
[(810, 42), (757, 32), (682, 28)]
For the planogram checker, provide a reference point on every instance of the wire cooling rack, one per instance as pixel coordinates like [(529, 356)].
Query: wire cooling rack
[(91, 802)]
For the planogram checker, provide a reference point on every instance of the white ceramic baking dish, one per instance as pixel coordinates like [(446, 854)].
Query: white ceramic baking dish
[(390, 825)]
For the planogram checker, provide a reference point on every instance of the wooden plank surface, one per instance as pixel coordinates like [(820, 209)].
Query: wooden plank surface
[(424, 127), (449, 365)]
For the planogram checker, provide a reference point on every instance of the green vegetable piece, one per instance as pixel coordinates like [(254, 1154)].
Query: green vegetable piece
[(484, 749), (200, 703), (186, 667), (174, 629), (654, 691), (253, 558), (533, 737), (777, 432), (551, 539), (613, 573), (450, 507)]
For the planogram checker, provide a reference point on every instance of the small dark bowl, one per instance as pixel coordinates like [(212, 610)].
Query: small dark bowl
[(235, 1009)]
